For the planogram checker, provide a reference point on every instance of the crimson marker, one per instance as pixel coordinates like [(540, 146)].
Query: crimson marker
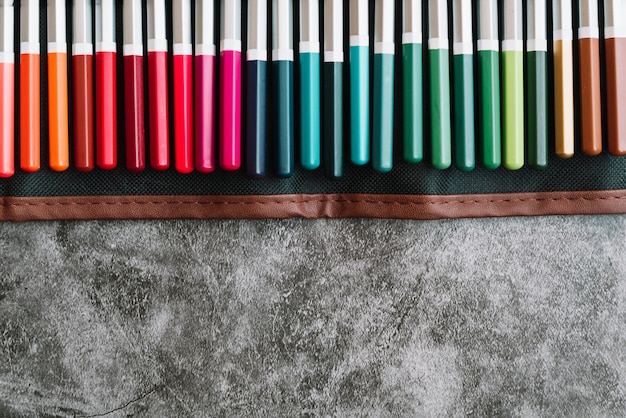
[(157, 86), (205, 86), (106, 86), (183, 87), (230, 97)]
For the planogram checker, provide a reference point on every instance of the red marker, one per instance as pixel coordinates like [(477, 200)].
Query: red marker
[(106, 86), (7, 78), (183, 87), (157, 86), (205, 86), (82, 66), (30, 92), (133, 87), (230, 97)]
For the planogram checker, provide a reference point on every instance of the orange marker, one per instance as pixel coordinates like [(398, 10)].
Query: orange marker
[(7, 77), (29, 86), (57, 86)]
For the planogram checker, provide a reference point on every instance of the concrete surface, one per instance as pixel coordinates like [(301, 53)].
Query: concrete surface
[(488, 317)]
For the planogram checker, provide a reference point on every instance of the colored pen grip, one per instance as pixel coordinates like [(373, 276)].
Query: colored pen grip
[(205, 113), (359, 105), (333, 119), (590, 97), (135, 116), (183, 113), (84, 157), (106, 111), (30, 112), (413, 103), (158, 110), (513, 81), (310, 111), (230, 121), (285, 112), (441, 134), (537, 88), (7, 114), (464, 111), (58, 130), (615, 52), (382, 141), (489, 99), (256, 119)]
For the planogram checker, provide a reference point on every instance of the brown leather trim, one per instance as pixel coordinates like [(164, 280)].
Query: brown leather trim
[(312, 206)]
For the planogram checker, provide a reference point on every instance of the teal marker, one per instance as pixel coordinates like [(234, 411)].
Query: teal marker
[(412, 90), (439, 67), (333, 89), (463, 65), (384, 50), (359, 82), (310, 87)]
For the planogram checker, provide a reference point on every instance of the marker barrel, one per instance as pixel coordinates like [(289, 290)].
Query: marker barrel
[(590, 95), (205, 113), (106, 110), (7, 114), (310, 82), (513, 81), (183, 112), (230, 120), (615, 52), (440, 121), (58, 130), (30, 107), (158, 108), (256, 118), (333, 119), (82, 74), (413, 109), (537, 88), (359, 105), (463, 65), (382, 138), (134, 111), (285, 115)]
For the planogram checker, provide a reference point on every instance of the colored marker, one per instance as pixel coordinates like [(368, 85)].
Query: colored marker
[(256, 57), (333, 88), (488, 47), (230, 93), (513, 82), (7, 78), (58, 130), (158, 107), (133, 87), (310, 84), (205, 86), (384, 51), (463, 65), (439, 65), (106, 85), (360, 81), (563, 77), (615, 52), (82, 74), (183, 87), (537, 83), (282, 57), (589, 65), (29, 87), (412, 78)]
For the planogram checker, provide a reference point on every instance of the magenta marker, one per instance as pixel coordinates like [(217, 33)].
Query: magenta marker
[(205, 86), (230, 91)]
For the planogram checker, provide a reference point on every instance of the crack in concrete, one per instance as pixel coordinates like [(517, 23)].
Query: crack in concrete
[(126, 405)]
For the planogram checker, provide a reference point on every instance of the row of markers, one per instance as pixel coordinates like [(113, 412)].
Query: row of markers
[(508, 129)]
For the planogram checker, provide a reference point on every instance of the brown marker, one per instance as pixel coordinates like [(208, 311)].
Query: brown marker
[(589, 62), (615, 46)]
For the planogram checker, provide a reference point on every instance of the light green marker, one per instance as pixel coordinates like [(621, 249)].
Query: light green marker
[(412, 78)]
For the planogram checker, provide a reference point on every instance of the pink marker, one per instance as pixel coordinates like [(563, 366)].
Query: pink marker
[(183, 87), (205, 86), (230, 97)]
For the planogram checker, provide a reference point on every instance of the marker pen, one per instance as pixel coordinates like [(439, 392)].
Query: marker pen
[(183, 87), (310, 84), (589, 65), (563, 77), (158, 106), (360, 81), (615, 54), (256, 62), (384, 51), (133, 87), (439, 65), (463, 66), (29, 87), (230, 88), (205, 86), (513, 82), (488, 50), (7, 79), (58, 130), (537, 83), (412, 78), (82, 74), (333, 88), (106, 85)]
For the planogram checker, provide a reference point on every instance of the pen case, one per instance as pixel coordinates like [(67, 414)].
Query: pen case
[(578, 185)]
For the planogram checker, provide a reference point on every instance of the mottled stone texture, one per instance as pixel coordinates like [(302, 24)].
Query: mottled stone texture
[(489, 317)]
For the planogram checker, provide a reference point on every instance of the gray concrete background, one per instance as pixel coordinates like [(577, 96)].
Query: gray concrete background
[(486, 317)]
